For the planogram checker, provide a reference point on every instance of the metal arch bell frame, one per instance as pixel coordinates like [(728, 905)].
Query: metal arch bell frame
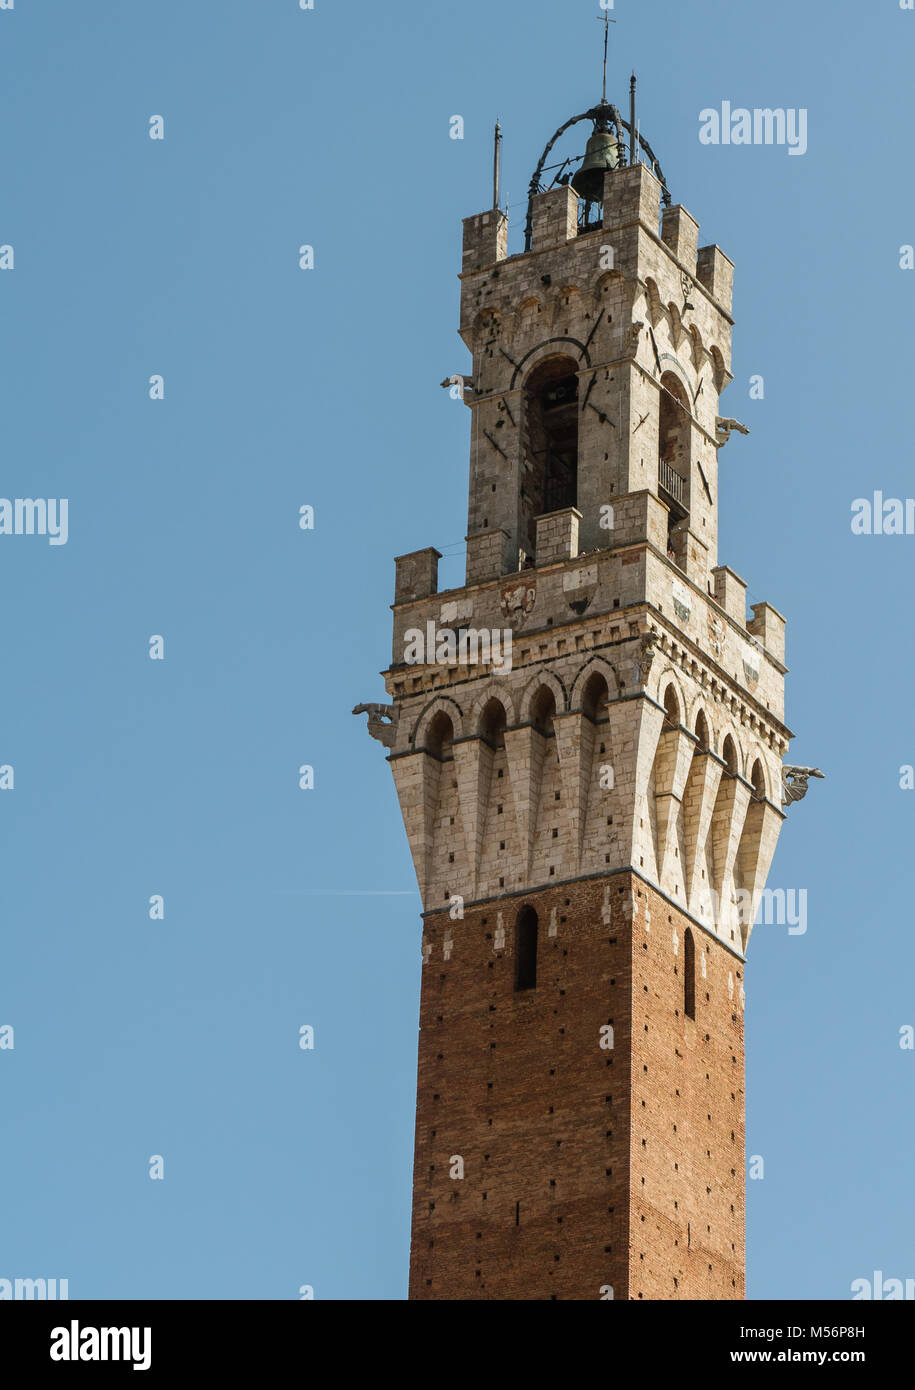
[(603, 112)]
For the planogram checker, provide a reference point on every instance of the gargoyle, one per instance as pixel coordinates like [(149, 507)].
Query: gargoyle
[(794, 782), (463, 382), (382, 723), (724, 427)]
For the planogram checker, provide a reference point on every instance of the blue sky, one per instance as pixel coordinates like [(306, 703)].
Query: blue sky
[(283, 387)]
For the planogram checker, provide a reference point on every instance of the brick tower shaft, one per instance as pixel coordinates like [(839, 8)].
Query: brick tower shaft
[(595, 1163)]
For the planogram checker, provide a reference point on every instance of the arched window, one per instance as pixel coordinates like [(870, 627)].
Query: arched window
[(594, 698), (671, 708), (689, 975), (549, 477), (759, 782), (674, 423), (440, 737), (543, 708), (729, 756), (526, 949), (674, 430), (702, 732), (492, 724)]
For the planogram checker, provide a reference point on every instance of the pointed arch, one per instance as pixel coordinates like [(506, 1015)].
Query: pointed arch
[(549, 442), (671, 702), (564, 304), (440, 703), (440, 736), (492, 723), (607, 281), (496, 689), (671, 697), (675, 391), (603, 668), (528, 308), (543, 678), (729, 755), (545, 349), (675, 423), (595, 698), (543, 711)]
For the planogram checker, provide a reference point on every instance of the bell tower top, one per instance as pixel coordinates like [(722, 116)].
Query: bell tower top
[(599, 355)]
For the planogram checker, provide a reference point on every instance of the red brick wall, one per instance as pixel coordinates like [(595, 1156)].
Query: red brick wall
[(549, 1125), (687, 1140)]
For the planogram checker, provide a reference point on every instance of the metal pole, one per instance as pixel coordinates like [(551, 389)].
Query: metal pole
[(497, 167), (603, 98), (633, 146)]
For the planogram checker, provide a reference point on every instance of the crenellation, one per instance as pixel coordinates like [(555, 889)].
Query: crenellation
[(485, 240), (768, 626), (555, 219), (715, 272), (416, 575), (680, 232), (731, 593)]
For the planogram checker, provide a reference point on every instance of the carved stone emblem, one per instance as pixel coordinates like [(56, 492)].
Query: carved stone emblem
[(682, 606), (517, 599), (716, 635), (579, 587)]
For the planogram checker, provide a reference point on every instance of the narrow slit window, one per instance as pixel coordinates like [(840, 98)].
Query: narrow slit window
[(689, 975)]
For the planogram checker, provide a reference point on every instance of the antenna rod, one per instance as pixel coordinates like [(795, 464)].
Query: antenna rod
[(606, 21), (603, 100), (497, 167), (633, 148)]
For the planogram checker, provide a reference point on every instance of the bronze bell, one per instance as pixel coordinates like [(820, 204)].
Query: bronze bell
[(601, 153)]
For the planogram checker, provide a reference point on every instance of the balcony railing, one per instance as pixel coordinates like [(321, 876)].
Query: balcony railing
[(671, 482)]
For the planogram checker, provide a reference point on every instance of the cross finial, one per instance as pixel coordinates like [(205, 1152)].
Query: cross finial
[(606, 21)]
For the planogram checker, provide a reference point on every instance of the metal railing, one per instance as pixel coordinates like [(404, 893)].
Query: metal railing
[(671, 482)]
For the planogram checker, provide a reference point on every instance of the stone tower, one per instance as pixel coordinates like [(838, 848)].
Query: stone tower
[(587, 743)]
